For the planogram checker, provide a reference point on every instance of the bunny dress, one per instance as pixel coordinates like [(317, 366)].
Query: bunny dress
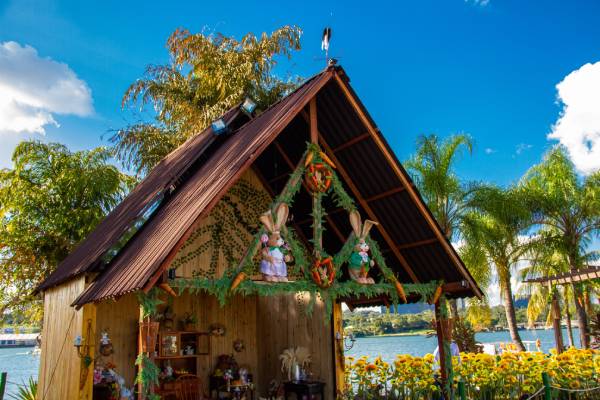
[(277, 267)]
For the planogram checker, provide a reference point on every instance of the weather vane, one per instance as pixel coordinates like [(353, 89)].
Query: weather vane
[(325, 43)]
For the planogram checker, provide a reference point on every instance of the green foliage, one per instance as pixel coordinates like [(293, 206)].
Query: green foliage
[(220, 289), (432, 167), (149, 302), (370, 323), (49, 201), (493, 230), (27, 390), (479, 314), (147, 376), (209, 74)]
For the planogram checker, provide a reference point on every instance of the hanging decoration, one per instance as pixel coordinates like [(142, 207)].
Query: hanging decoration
[(275, 251), (323, 272)]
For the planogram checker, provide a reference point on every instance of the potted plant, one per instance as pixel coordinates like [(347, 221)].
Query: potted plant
[(189, 322)]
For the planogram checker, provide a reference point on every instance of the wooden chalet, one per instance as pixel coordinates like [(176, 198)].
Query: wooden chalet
[(188, 226)]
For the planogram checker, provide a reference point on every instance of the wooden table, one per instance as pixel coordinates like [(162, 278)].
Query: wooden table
[(304, 388)]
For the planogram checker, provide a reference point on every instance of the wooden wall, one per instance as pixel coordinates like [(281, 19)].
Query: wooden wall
[(267, 326), (120, 319), (283, 323), (59, 362)]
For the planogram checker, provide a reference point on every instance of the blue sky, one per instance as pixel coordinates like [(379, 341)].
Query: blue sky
[(487, 68)]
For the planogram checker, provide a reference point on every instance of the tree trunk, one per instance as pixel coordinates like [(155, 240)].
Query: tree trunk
[(581, 316), (569, 326), (511, 316)]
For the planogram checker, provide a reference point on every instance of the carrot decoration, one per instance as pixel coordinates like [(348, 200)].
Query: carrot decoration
[(400, 290), (327, 159), (309, 158), (238, 279), (436, 295)]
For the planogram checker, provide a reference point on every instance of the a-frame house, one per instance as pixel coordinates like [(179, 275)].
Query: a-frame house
[(191, 222)]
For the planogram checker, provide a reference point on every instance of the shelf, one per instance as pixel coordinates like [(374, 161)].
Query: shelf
[(176, 357)]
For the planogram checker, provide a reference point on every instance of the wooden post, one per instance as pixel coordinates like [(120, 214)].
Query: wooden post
[(2, 385), (442, 347), (338, 348), (556, 318), (314, 131)]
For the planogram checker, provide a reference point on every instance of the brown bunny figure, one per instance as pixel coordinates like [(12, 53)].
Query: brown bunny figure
[(360, 262), (275, 251)]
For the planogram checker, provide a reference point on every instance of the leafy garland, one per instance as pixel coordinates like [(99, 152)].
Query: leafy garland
[(148, 371), (388, 285), (220, 289)]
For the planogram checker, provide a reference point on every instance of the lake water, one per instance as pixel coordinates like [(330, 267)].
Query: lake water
[(21, 364), (388, 346)]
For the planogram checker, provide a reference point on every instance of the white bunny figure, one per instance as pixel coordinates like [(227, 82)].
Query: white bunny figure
[(275, 254)]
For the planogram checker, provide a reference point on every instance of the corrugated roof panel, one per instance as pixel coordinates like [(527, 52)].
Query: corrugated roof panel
[(140, 259)]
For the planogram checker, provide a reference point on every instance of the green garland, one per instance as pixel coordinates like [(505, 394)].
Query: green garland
[(300, 270), (148, 371), (147, 376), (220, 289), (149, 302)]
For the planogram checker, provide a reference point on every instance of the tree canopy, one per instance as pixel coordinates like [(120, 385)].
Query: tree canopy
[(49, 201), (208, 75)]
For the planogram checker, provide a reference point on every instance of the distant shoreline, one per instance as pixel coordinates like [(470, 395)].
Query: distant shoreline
[(423, 332)]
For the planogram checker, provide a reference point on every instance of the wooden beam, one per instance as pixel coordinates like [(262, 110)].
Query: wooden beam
[(393, 162), (424, 242), (454, 287), (352, 142), (291, 165), (278, 178), (385, 194), (338, 349), (314, 133), (365, 205)]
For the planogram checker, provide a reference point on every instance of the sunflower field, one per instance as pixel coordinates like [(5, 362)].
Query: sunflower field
[(512, 375)]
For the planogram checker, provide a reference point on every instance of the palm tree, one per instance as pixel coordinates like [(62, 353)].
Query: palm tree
[(432, 167), (568, 207), (493, 232), (208, 75)]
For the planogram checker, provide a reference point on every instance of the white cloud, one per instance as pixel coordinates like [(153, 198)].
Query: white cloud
[(578, 126), (489, 150), (521, 147), (34, 89), (481, 3)]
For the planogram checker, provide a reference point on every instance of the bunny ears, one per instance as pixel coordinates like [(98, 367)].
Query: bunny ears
[(360, 231), (281, 215)]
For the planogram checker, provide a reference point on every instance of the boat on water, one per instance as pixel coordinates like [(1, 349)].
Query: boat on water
[(9, 340)]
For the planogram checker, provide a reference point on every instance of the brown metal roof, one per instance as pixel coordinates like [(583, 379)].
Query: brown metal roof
[(87, 255), (139, 261), (273, 143)]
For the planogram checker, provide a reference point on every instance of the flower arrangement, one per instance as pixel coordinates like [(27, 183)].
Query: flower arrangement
[(507, 376)]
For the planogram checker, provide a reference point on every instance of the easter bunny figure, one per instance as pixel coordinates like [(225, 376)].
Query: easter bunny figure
[(275, 251), (360, 262)]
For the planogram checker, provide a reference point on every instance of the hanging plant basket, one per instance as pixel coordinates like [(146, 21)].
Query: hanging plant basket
[(149, 333)]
